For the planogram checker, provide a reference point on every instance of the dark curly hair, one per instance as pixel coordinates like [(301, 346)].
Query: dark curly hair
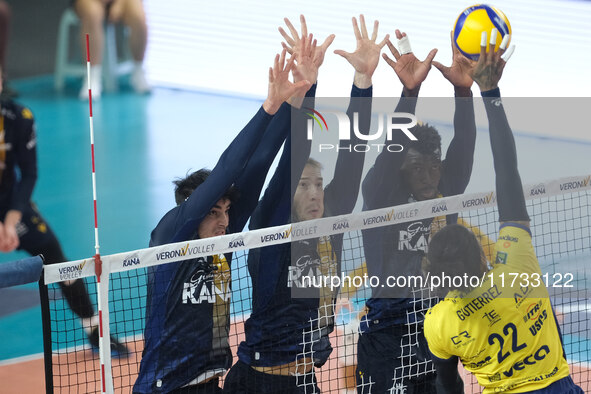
[(428, 140), (185, 186)]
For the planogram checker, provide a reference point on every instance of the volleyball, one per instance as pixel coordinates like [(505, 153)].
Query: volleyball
[(472, 22)]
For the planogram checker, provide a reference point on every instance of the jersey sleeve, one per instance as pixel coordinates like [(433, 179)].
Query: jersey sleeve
[(509, 188), (342, 192), (274, 207), (514, 248), (183, 221), (26, 156), (250, 182), (459, 158), (432, 329)]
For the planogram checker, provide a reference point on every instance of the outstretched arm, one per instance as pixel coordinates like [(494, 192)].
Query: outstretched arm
[(410, 70), (184, 221), (457, 166), (385, 174), (341, 194), (487, 73), (309, 58)]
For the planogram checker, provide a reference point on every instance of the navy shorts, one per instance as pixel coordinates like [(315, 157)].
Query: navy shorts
[(211, 387), (391, 360), (562, 386), (242, 379)]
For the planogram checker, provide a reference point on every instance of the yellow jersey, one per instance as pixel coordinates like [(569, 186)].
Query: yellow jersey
[(503, 331)]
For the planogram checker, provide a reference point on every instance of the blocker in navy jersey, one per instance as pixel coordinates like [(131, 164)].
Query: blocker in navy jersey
[(399, 249), (187, 313), (279, 323)]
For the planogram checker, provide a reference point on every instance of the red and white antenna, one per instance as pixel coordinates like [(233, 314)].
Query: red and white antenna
[(102, 277)]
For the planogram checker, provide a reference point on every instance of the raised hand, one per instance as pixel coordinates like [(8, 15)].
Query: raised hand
[(293, 43), (280, 87), (459, 71), (410, 70), (366, 57), (488, 70)]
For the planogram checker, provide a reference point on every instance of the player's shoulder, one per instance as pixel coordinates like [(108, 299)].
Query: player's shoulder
[(13, 110), (514, 228), (438, 313)]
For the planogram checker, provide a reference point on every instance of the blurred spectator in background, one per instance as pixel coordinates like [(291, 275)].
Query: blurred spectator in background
[(92, 14), (5, 14)]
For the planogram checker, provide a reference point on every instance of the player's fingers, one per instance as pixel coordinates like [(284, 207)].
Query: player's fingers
[(302, 50), (440, 67), (429, 59), (287, 48), (374, 34), (363, 27), (304, 26), (390, 62), (327, 42), (342, 53), (290, 65), (356, 29), (293, 31), (286, 37), (271, 79), (393, 49), (282, 59), (404, 45), (384, 41), (493, 39), (483, 45), (398, 34), (314, 46), (504, 43), (507, 55), (454, 49)]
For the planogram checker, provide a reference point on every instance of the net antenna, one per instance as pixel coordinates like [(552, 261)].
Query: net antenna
[(102, 276)]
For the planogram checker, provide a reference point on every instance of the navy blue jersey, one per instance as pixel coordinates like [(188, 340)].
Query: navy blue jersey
[(399, 249), (187, 312), (17, 150), (279, 323)]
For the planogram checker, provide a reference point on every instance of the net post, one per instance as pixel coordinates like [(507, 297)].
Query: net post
[(102, 276), (46, 324), (102, 287)]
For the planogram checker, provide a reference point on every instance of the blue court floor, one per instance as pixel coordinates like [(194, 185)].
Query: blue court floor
[(142, 144)]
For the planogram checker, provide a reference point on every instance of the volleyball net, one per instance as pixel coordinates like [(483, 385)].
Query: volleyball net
[(560, 212)]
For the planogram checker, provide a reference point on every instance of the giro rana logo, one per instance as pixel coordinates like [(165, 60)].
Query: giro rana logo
[(387, 123)]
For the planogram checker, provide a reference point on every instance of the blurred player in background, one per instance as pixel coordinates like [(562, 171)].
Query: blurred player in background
[(507, 336), (92, 14), (392, 326), (188, 303), (22, 227), (286, 336)]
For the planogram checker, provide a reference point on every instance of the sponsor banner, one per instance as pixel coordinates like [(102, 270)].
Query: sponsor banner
[(305, 230), (71, 270)]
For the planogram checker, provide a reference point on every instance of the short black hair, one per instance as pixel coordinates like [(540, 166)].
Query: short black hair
[(455, 251), (428, 140), (185, 186)]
